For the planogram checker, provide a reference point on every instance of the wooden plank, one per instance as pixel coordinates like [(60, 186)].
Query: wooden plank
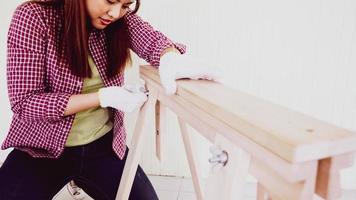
[(289, 134), (208, 127)]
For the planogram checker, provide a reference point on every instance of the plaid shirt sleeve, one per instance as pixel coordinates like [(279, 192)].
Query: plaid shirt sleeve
[(29, 97), (146, 42)]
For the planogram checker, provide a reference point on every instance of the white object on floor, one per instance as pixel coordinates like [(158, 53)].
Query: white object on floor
[(71, 192)]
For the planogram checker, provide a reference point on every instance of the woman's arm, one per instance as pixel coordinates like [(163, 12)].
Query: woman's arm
[(81, 102), (26, 72), (147, 42)]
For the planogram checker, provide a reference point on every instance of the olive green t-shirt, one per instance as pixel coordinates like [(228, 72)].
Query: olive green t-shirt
[(91, 124)]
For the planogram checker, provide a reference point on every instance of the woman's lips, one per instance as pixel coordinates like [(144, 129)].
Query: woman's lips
[(105, 21)]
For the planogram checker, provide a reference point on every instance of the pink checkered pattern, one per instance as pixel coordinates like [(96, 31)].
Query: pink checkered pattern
[(40, 82)]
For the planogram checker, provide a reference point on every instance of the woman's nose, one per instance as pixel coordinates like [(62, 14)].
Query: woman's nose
[(115, 11)]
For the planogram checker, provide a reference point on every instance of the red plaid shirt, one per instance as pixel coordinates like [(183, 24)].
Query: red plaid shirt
[(40, 82)]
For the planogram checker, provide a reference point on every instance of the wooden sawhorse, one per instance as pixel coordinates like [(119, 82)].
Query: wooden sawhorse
[(293, 156)]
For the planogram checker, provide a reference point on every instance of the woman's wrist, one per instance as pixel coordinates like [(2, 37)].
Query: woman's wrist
[(169, 49), (95, 99)]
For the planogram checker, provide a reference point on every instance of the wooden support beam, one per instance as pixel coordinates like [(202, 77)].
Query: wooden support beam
[(136, 147), (194, 169), (262, 193), (160, 117), (328, 185), (279, 188)]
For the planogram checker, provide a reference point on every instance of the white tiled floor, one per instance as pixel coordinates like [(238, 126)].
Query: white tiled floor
[(175, 188), (169, 188)]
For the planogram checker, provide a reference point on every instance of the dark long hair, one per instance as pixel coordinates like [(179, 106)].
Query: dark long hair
[(75, 37)]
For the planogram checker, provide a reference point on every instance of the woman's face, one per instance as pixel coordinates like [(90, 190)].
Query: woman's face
[(104, 12)]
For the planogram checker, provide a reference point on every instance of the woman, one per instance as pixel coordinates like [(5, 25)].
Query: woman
[(65, 83)]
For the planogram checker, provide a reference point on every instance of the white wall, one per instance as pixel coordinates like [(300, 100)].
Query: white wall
[(298, 53)]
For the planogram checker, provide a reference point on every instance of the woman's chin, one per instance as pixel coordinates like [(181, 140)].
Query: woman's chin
[(98, 25)]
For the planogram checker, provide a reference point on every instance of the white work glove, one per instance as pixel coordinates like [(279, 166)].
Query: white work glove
[(121, 98), (175, 66)]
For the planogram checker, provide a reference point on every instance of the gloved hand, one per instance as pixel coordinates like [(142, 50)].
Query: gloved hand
[(121, 98), (175, 66)]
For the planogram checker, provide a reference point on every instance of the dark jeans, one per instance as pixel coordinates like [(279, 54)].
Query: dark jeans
[(93, 167)]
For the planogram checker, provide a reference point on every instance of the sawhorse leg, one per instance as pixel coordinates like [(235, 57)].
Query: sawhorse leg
[(328, 180), (134, 154)]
